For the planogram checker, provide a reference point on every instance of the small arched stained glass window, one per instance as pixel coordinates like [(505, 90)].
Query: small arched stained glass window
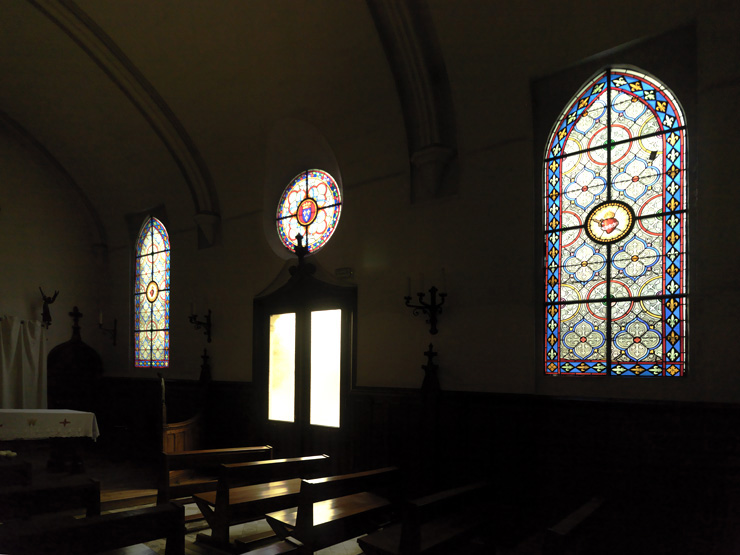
[(310, 206), (615, 191), (152, 296)]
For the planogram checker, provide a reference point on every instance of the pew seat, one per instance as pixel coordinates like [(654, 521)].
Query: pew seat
[(64, 494), (246, 491), (334, 509), (187, 472), (433, 524), (114, 533)]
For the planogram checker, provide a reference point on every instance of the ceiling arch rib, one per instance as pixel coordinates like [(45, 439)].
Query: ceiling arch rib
[(408, 36), (109, 57)]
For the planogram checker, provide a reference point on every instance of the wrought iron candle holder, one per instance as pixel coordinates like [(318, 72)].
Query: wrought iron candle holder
[(112, 331), (205, 325), (431, 309)]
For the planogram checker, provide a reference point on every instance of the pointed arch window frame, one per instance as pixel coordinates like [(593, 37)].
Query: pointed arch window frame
[(673, 294), (152, 295)]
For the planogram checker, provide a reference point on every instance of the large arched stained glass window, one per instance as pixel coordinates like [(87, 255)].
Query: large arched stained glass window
[(152, 296), (310, 206), (615, 231)]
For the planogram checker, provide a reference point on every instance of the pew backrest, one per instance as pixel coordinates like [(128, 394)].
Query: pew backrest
[(14, 472), (270, 470), (462, 509), (560, 536), (234, 475), (69, 493), (203, 467), (80, 536), (250, 490), (384, 481), (433, 522)]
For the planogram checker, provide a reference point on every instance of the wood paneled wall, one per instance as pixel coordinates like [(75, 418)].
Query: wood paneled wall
[(531, 446)]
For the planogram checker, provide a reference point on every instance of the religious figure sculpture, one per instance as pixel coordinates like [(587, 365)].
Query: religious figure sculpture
[(45, 313)]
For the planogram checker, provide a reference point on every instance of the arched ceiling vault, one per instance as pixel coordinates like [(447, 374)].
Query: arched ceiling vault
[(109, 57), (149, 103), (99, 239)]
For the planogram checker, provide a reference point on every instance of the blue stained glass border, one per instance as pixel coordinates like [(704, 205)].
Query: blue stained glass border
[(669, 114), (143, 357)]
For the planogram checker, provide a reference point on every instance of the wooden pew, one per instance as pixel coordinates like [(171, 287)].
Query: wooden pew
[(14, 471), (247, 491), (66, 494), (185, 473), (184, 435), (107, 533), (433, 523), (334, 509), (564, 536)]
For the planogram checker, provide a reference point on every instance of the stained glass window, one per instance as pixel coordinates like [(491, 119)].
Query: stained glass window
[(615, 231), (152, 296), (310, 206)]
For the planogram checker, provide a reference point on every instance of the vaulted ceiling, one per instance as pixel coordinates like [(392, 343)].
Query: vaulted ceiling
[(138, 101)]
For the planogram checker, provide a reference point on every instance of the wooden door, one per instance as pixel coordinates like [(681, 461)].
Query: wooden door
[(303, 366)]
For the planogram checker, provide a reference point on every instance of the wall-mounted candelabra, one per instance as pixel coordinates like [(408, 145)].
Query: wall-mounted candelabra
[(431, 308), (205, 325), (112, 331)]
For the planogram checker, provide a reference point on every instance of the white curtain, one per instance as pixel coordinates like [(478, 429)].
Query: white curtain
[(23, 361)]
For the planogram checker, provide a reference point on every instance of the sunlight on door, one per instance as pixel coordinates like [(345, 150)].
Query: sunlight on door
[(282, 367), (326, 347)]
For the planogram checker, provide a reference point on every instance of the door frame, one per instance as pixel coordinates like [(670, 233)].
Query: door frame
[(303, 293)]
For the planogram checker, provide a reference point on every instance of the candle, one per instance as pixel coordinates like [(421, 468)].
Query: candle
[(100, 317), (408, 286)]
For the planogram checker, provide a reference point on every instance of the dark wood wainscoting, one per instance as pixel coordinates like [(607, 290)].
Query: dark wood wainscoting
[(531, 447)]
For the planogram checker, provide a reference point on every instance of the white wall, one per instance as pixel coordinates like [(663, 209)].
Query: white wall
[(47, 239), (485, 237)]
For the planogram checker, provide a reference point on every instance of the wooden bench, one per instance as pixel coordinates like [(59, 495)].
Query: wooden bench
[(334, 509), (14, 471), (433, 524), (66, 494), (112, 533), (247, 491), (185, 473)]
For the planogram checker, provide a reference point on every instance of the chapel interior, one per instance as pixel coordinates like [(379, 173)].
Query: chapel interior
[(434, 120)]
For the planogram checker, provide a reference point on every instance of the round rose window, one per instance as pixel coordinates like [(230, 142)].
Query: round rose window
[(309, 207)]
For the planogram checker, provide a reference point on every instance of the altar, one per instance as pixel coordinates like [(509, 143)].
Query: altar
[(47, 423), (63, 429)]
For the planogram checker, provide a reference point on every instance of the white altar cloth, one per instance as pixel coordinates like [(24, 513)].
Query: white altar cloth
[(46, 423)]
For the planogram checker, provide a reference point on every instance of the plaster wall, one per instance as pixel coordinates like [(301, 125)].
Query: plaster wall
[(485, 238), (47, 240)]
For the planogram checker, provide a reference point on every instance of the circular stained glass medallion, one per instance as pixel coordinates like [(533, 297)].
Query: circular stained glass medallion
[(152, 291), (307, 211), (310, 206), (610, 222)]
